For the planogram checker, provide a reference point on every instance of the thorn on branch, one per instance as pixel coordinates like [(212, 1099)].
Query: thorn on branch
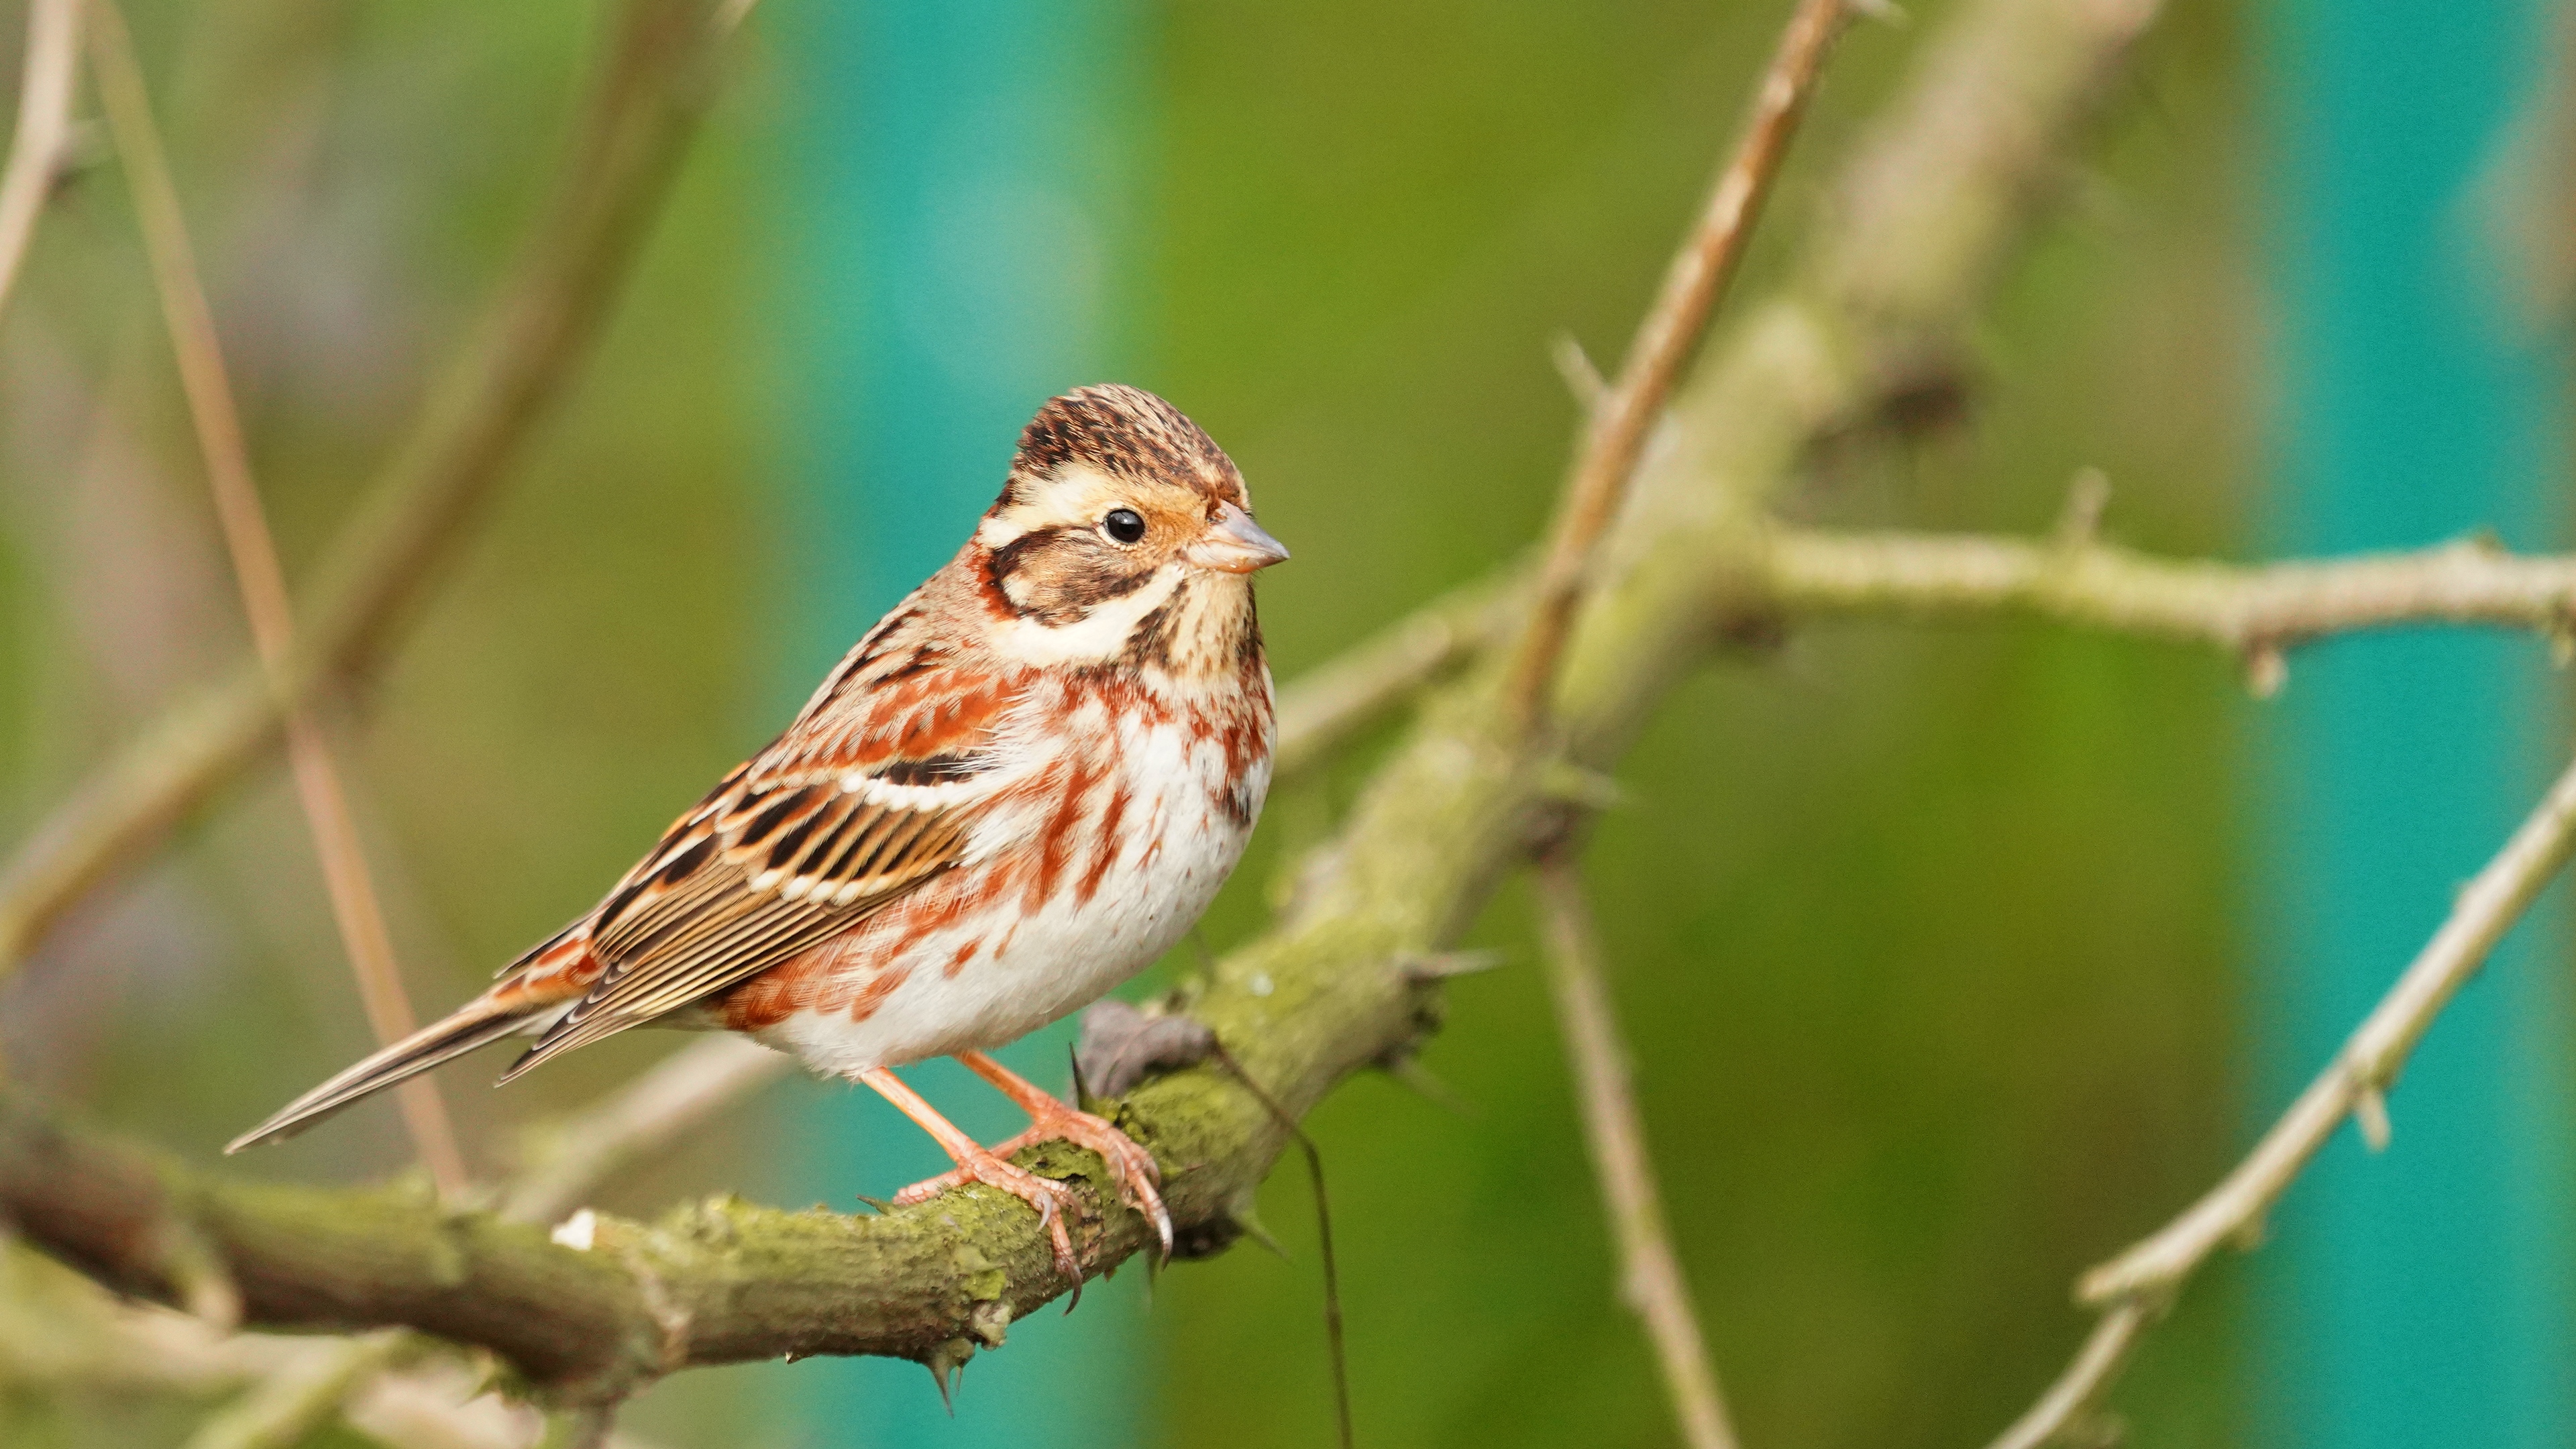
[(2079, 525), (2266, 671), (1582, 377), (206, 1290), (2370, 1114), (1247, 1218), (947, 1365), (1425, 967)]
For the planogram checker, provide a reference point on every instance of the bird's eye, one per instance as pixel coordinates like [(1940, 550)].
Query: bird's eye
[(1123, 525)]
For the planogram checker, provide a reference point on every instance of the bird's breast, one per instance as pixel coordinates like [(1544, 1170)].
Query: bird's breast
[(1082, 873)]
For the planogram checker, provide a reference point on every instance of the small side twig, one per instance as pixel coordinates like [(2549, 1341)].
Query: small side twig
[(1650, 1275), (2144, 1280), (203, 377), (44, 135), (1617, 426)]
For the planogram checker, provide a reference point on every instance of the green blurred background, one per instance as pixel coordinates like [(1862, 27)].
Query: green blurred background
[(1927, 938)]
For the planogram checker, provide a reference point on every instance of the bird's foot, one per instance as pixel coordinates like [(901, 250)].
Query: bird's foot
[(1132, 1169), (1054, 1201)]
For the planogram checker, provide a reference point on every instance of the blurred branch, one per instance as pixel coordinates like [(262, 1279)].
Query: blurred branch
[(281, 1410), (244, 521), (1617, 424), (2145, 1279), (2249, 609), (1322, 709), (1936, 199), (655, 81), (681, 1091), (43, 140), (1651, 1276)]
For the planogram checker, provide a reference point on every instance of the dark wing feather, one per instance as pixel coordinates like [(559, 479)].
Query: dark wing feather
[(779, 860)]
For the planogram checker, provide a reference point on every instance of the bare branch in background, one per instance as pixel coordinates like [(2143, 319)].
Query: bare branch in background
[(682, 1090), (1322, 709), (202, 376), (2245, 608), (654, 82), (38, 148), (2145, 1280), (1650, 1275), (1616, 427)]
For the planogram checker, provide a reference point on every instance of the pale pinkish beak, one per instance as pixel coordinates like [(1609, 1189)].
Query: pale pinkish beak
[(1234, 544)]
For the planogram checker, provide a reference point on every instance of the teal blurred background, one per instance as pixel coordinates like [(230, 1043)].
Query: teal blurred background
[(1934, 943)]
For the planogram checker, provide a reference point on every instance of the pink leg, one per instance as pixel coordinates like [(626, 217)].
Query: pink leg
[(1131, 1167), (978, 1164)]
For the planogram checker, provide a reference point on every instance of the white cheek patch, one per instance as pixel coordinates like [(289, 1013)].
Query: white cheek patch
[(1099, 634)]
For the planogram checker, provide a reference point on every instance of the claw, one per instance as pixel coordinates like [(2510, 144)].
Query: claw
[(1132, 1170), (1048, 1196)]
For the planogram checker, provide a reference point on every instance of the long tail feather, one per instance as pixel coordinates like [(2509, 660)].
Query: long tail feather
[(479, 1024)]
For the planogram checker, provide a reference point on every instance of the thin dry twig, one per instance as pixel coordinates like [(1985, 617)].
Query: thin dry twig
[(202, 376), (1616, 429), (43, 139), (655, 82), (2144, 1280), (1650, 1275)]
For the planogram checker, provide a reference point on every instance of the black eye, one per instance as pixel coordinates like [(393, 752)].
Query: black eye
[(1123, 525)]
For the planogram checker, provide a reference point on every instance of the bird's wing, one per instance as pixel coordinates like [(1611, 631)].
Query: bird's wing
[(871, 794)]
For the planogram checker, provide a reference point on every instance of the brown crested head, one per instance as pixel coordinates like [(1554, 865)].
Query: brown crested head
[(1122, 527)]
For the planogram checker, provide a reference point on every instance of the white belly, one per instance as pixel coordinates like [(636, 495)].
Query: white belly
[(1002, 970)]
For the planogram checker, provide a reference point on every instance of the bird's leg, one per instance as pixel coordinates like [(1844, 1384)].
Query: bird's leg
[(979, 1164), (1131, 1167)]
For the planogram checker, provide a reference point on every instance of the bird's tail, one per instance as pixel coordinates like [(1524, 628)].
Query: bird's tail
[(479, 1024), (534, 992)]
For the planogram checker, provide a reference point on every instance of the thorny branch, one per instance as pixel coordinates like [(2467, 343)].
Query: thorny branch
[(244, 522), (654, 81), (1932, 205), (1650, 1275), (2143, 1281)]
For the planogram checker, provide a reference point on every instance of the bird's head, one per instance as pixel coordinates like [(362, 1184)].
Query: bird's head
[(1123, 530)]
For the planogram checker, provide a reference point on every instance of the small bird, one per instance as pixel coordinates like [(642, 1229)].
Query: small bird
[(1019, 789)]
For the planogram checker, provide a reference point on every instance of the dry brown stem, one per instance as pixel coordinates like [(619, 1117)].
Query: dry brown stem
[(653, 83), (1617, 424), (42, 142), (244, 522), (1650, 1275)]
